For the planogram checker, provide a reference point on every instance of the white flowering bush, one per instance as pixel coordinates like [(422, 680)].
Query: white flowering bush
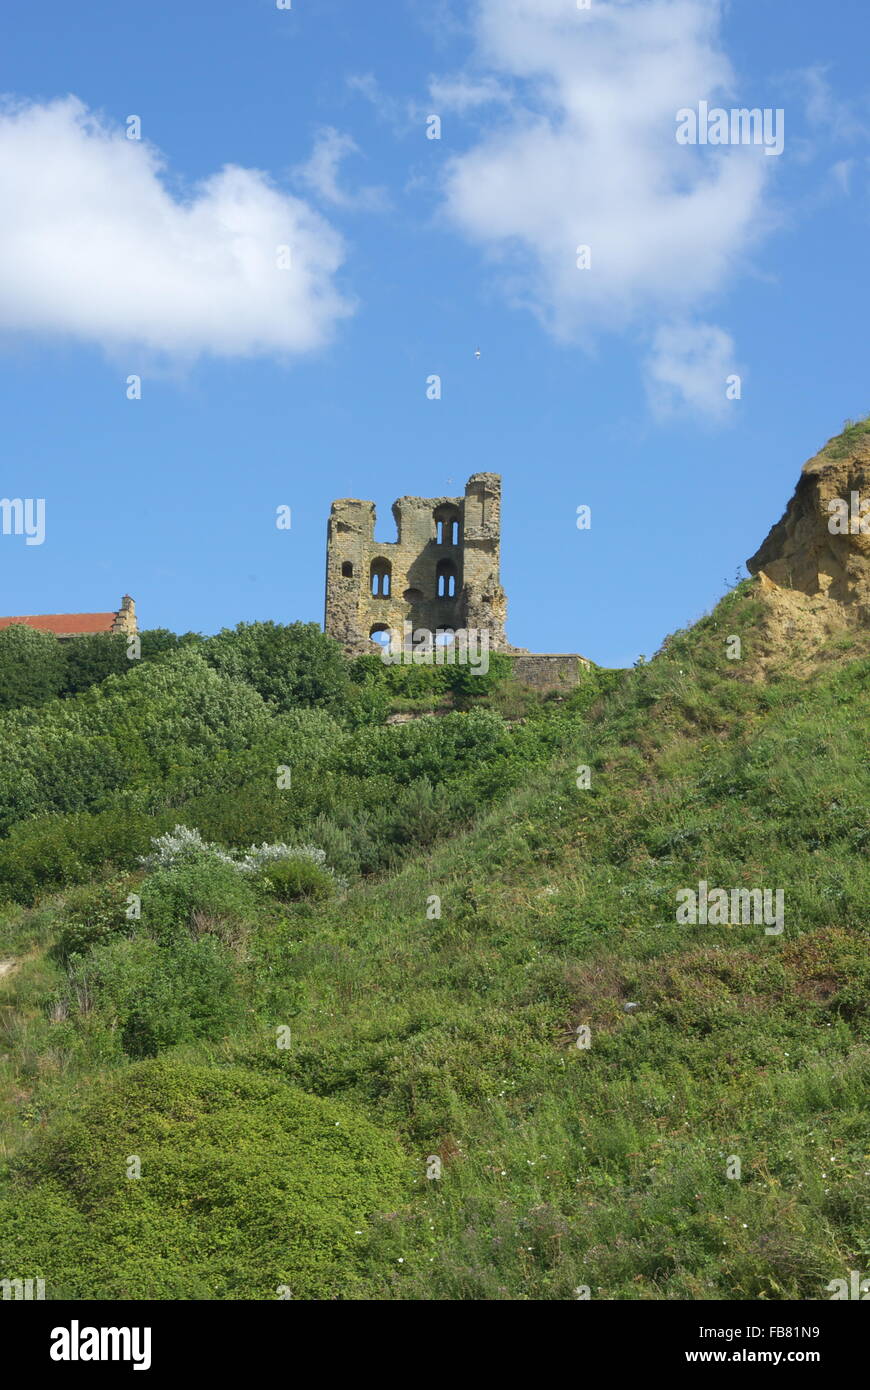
[(260, 855), (181, 846), (186, 846)]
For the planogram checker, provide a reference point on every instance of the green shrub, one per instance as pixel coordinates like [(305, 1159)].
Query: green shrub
[(173, 900), (289, 879), (31, 667), (420, 813), (592, 683), (51, 851), (411, 682), (92, 915), (91, 657), (468, 683), (153, 996), (289, 665), (159, 641), (414, 682), (248, 1187), (35, 667), (435, 747), (364, 704), (166, 722)]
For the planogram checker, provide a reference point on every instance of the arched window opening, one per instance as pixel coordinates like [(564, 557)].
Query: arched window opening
[(446, 525), (445, 576), (381, 571), (347, 570), (380, 635)]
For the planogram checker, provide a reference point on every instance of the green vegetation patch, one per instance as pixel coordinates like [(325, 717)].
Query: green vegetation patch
[(248, 1189)]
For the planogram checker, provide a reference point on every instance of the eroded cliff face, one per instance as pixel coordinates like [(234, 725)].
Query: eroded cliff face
[(814, 566), (822, 544)]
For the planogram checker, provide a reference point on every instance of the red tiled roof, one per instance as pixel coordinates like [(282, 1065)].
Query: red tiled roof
[(65, 624)]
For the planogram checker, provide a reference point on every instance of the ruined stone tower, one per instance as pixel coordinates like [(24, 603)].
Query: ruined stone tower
[(441, 572)]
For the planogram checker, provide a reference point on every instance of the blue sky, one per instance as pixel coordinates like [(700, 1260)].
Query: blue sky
[(264, 387)]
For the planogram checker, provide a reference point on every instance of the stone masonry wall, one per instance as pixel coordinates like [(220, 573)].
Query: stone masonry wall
[(414, 561), (553, 671)]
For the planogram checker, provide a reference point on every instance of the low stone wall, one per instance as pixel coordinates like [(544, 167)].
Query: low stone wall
[(550, 671)]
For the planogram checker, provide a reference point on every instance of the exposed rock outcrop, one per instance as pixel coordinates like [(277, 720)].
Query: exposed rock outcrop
[(814, 566)]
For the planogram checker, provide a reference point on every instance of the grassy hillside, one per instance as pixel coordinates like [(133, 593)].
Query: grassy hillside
[(412, 969)]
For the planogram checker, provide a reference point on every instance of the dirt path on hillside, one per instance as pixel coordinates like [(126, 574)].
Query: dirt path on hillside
[(7, 966)]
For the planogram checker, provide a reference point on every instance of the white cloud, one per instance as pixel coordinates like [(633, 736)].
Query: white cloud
[(320, 173), (462, 93), (94, 245), (688, 366), (396, 113), (587, 156)]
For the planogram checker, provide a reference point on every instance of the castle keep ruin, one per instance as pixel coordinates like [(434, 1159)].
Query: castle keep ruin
[(441, 573)]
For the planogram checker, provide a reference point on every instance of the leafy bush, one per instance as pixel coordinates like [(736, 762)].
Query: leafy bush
[(153, 995), (51, 851), (159, 641), (31, 666), (352, 840), (469, 684), (131, 732), (36, 667), (289, 879), (435, 747), (420, 813), (363, 704), (290, 665), (246, 1185), (370, 671), (185, 847), (260, 856), (592, 683), (413, 682), (91, 657), (92, 915), (174, 899)]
